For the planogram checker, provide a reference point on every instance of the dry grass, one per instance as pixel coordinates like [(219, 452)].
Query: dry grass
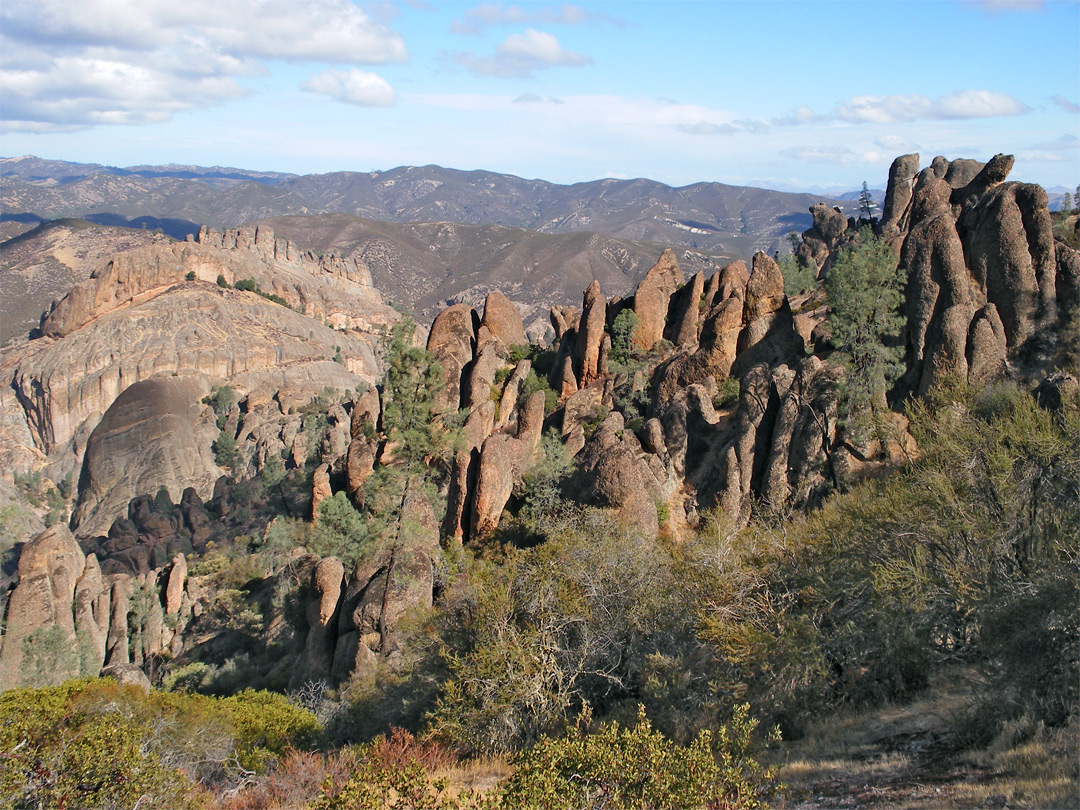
[(1030, 767), (477, 775), (905, 757)]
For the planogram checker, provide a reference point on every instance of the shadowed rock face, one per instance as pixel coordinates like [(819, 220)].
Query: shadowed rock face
[(157, 433), (451, 342), (983, 272)]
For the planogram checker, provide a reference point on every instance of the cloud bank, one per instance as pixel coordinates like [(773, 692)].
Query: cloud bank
[(68, 66), (519, 55)]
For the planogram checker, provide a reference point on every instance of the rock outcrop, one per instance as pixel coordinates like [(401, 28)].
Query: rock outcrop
[(40, 616), (156, 318), (652, 298)]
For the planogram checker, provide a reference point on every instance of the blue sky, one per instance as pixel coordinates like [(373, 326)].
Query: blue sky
[(783, 95)]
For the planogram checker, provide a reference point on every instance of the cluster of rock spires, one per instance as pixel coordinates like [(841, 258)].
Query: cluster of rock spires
[(988, 290)]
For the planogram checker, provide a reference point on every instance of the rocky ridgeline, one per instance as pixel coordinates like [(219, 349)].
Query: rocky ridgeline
[(111, 392), (989, 291)]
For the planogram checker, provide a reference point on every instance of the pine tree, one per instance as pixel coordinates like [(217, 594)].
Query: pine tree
[(866, 201), (864, 289)]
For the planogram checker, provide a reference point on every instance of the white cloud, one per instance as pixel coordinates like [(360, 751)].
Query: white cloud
[(995, 7), (896, 143), (961, 104), (705, 128), (520, 54), (487, 15), (977, 104), (1063, 149), (353, 86), (800, 116), (74, 65), (1066, 105)]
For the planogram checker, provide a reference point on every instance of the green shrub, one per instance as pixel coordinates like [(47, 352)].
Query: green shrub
[(622, 338), (797, 278), (533, 383), (634, 767), (594, 614), (226, 453), (964, 557)]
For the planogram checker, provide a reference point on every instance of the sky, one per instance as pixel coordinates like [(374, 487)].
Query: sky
[(808, 95)]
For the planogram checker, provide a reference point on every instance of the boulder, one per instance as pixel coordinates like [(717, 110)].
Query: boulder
[(829, 225), (1008, 242), (939, 301), (383, 591), (478, 426), (314, 663), (320, 488), (174, 589), (92, 611), (613, 475), (687, 312), (797, 473), (503, 321), (156, 433), (987, 349), (481, 374), (127, 675), (511, 392)]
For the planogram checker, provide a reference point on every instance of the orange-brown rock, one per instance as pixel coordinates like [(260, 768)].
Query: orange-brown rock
[(987, 348), (315, 661), (503, 461), (450, 342), (502, 320), (384, 590), (157, 433), (652, 297), (49, 568), (320, 488), (91, 609), (732, 282), (898, 194), (938, 283), (687, 312), (478, 426), (590, 334), (174, 590), (613, 475)]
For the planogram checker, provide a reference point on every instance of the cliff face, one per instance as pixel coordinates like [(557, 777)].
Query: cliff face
[(158, 313)]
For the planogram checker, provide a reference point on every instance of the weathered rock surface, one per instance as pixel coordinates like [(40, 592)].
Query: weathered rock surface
[(451, 342), (139, 318), (157, 433), (652, 297), (590, 334), (49, 568), (502, 320), (898, 195)]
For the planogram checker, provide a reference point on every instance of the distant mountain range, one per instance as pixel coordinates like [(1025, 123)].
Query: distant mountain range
[(728, 220)]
